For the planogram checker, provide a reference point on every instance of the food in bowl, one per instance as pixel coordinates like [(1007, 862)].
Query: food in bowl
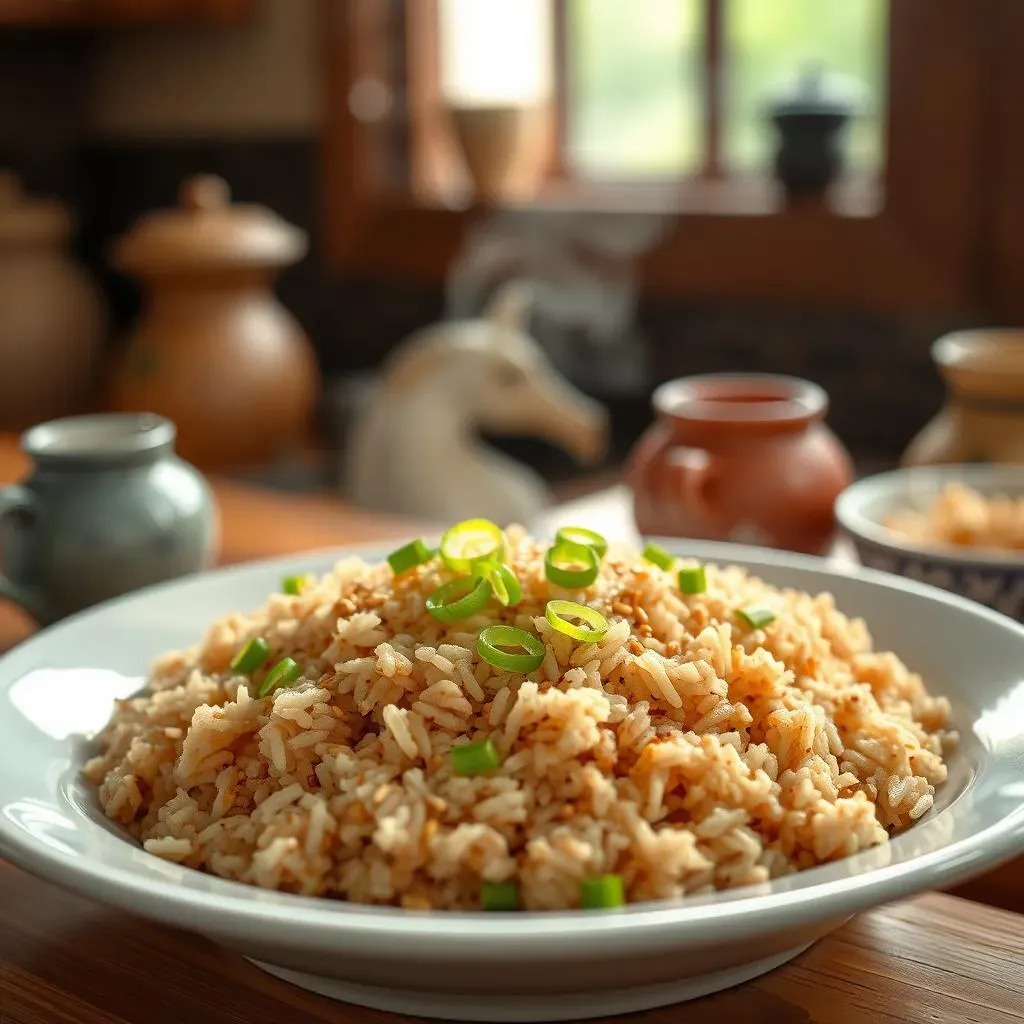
[(869, 509), (964, 518), (503, 724)]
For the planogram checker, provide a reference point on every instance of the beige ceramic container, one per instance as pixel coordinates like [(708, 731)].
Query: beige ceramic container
[(214, 350), (983, 418), (52, 325)]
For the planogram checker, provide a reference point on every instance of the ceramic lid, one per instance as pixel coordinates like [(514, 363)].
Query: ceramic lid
[(984, 362), (208, 232), (25, 220), (815, 91)]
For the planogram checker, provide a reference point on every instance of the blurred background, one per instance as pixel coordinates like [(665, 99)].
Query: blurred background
[(818, 189)]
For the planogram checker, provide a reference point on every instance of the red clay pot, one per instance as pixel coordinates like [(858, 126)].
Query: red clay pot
[(740, 457)]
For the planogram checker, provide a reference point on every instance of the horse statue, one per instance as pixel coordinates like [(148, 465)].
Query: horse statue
[(415, 447)]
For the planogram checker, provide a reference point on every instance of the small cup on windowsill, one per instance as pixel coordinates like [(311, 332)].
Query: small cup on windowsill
[(505, 148)]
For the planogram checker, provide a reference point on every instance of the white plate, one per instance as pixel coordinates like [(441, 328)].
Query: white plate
[(505, 967)]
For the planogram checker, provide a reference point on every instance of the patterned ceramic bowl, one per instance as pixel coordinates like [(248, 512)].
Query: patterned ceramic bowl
[(993, 578)]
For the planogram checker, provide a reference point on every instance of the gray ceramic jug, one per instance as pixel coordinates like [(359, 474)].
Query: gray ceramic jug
[(107, 508)]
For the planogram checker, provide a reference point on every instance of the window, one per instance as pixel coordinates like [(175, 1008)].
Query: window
[(658, 106), (628, 93), (633, 96)]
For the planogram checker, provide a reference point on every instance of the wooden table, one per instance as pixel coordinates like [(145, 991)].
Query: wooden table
[(64, 960)]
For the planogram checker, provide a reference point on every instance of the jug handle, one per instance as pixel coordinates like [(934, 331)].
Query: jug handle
[(689, 470), (16, 498)]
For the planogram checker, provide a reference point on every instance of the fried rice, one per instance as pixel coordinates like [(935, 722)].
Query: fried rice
[(961, 517), (685, 751)]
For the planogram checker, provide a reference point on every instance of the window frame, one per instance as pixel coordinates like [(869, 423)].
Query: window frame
[(1001, 258), (920, 250), (89, 13)]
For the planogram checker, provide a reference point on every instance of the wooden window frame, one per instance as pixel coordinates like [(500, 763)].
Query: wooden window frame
[(114, 13), (1001, 270), (921, 250)]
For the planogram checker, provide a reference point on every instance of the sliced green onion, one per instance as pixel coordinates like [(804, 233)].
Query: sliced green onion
[(408, 556), (499, 895), (659, 556), (596, 625), (470, 542), (286, 671), (293, 584), (581, 535), (602, 892), (459, 598), (570, 565), (251, 656), (492, 640), (756, 615), (475, 758), (693, 579), (504, 583)]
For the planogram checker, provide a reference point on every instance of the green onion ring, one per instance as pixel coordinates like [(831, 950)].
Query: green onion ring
[(596, 624), (693, 580), (470, 542), (476, 758), (459, 598), (292, 585), (602, 892), (491, 640), (566, 551), (504, 583), (756, 615), (251, 656), (286, 671), (499, 895), (658, 556), (581, 535), (409, 556)]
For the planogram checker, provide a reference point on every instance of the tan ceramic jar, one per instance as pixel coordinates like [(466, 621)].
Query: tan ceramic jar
[(52, 322), (983, 418), (214, 350)]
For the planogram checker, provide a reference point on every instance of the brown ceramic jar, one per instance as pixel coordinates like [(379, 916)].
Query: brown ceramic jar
[(213, 349), (740, 457), (53, 319)]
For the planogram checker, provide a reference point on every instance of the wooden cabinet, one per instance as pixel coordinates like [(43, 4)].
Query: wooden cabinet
[(120, 12), (29, 12)]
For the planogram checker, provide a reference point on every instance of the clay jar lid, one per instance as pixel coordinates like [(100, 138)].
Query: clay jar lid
[(987, 363), (27, 221), (208, 232), (816, 93)]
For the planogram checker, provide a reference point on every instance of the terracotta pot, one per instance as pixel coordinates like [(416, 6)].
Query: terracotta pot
[(214, 350), (983, 419), (53, 321), (740, 457)]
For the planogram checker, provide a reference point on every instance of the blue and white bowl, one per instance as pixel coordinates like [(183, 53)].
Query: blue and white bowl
[(993, 578)]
